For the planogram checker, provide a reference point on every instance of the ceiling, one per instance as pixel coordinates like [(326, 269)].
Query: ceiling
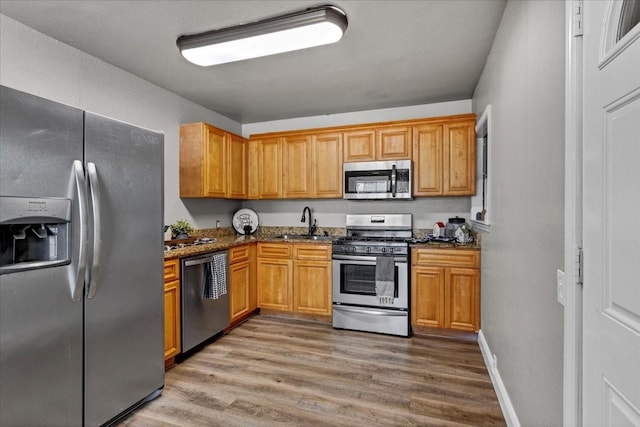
[(394, 53)]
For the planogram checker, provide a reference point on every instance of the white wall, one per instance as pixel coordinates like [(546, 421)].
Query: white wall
[(35, 63), (521, 319)]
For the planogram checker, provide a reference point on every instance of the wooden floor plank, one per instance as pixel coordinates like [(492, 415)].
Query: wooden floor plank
[(273, 371)]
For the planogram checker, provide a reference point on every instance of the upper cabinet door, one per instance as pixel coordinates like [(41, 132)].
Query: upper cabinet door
[(269, 168), (360, 145), (296, 166), (327, 165), (192, 136), (393, 143), (460, 159), (237, 174), (215, 163), (427, 160)]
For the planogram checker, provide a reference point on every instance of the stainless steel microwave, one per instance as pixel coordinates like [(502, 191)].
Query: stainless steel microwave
[(377, 180)]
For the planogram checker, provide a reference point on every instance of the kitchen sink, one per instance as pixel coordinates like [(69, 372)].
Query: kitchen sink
[(302, 237)]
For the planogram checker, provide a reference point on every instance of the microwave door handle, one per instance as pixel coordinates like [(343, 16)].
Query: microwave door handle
[(393, 181)]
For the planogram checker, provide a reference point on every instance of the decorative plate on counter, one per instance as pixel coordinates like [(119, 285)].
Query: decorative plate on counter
[(243, 218)]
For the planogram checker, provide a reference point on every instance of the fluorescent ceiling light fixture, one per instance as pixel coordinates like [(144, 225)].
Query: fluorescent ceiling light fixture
[(294, 31)]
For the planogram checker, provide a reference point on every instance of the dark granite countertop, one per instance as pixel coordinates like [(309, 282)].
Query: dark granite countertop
[(227, 238)]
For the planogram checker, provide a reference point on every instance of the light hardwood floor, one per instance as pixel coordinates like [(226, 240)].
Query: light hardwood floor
[(271, 371)]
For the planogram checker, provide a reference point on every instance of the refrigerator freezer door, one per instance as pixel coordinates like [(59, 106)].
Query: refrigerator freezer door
[(124, 348), (40, 325)]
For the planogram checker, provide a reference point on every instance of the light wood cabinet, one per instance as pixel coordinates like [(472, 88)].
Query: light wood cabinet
[(308, 163), (360, 145), (171, 309), (394, 143), (294, 277), (274, 271), (326, 167), (238, 167), (444, 158), (212, 162), (242, 282), (296, 166), (445, 288), (427, 160), (460, 158), (378, 143), (427, 298), (312, 279), (265, 168), (462, 298)]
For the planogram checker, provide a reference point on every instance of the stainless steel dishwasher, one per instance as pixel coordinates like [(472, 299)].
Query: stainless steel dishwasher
[(201, 317)]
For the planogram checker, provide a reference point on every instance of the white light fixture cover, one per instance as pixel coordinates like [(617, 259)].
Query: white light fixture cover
[(295, 31)]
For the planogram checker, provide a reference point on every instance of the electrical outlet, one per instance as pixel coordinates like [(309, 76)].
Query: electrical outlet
[(560, 286)]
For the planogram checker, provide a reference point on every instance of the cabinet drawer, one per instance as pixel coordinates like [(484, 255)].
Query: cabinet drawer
[(312, 252), (446, 258), (239, 253), (171, 269), (274, 250)]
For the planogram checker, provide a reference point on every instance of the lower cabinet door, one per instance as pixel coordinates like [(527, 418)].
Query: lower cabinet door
[(171, 318), (239, 289), (274, 283), (427, 297), (312, 287), (463, 293)]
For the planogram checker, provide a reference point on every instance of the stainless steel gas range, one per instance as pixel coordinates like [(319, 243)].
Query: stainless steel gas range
[(371, 274)]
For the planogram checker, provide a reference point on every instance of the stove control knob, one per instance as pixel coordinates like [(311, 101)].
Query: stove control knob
[(368, 249), (384, 250), (390, 250)]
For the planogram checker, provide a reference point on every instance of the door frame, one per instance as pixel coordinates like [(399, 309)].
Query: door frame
[(572, 365)]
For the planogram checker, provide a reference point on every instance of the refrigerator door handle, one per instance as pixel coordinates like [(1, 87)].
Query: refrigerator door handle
[(92, 272), (77, 285)]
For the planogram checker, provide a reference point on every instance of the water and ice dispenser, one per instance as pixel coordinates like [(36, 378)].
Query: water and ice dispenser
[(34, 233)]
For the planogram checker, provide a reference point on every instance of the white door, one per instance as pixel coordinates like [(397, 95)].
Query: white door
[(611, 135)]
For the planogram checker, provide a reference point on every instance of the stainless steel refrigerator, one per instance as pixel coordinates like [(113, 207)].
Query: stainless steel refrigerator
[(81, 262)]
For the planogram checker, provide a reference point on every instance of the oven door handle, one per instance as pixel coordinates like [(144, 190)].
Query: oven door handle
[(359, 258), (372, 312)]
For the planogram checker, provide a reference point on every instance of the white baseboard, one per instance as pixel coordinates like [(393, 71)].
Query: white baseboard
[(503, 397)]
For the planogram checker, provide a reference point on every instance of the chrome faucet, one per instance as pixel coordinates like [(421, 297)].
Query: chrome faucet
[(312, 227)]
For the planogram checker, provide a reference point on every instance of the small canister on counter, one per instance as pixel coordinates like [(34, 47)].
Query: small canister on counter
[(462, 234), (438, 229)]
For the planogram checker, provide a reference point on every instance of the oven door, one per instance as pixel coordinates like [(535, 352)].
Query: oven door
[(354, 282)]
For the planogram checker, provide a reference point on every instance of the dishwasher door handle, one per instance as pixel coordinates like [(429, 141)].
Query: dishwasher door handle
[(193, 262)]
